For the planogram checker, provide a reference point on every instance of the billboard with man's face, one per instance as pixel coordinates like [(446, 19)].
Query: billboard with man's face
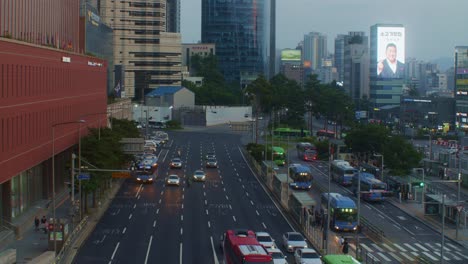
[(390, 52)]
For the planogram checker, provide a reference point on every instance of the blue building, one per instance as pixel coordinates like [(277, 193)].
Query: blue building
[(241, 31)]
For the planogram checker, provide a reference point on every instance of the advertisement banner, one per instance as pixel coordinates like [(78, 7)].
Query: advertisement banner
[(390, 52), (291, 55)]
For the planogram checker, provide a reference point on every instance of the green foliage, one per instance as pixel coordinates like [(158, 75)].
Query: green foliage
[(256, 150), (400, 155), (367, 138)]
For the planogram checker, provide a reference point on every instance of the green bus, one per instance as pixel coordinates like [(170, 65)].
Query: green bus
[(285, 132), (279, 156), (339, 259)]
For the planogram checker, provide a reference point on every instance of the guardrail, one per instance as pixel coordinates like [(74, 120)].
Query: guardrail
[(71, 238)]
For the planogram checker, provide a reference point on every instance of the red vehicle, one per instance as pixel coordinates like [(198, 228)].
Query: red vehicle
[(326, 133), (306, 151), (241, 246)]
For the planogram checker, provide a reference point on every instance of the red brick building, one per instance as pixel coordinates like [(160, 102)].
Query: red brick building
[(39, 87)]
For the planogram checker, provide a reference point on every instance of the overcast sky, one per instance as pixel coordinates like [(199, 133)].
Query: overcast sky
[(433, 27)]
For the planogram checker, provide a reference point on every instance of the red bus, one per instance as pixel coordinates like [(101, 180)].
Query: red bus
[(241, 247), (306, 151), (326, 133)]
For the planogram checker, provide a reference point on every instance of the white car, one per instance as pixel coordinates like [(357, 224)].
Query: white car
[(306, 256), (176, 163), (293, 241), (265, 239), (199, 175), (173, 180), (277, 255)]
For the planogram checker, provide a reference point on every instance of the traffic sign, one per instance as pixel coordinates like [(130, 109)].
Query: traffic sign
[(459, 208), (84, 176), (121, 175)]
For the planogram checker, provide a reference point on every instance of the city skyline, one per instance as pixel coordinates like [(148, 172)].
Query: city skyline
[(417, 16)]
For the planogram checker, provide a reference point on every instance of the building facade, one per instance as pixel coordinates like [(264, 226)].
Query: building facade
[(314, 49), (53, 23), (42, 87), (148, 53), (356, 65), (240, 30), (429, 112), (386, 84), (201, 49), (461, 87)]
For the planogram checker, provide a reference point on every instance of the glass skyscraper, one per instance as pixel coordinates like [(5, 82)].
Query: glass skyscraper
[(461, 87), (241, 31)]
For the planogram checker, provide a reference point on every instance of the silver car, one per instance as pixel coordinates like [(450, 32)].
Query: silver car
[(173, 180), (265, 239), (212, 163), (199, 175), (277, 255), (293, 241), (176, 163)]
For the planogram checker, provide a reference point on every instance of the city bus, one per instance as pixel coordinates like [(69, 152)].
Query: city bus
[(339, 259), (371, 169), (326, 133), (306, 151), (285, 132), (343, 211), (301, 176), (342, 172), (279, 157), (241, 246), (372, 189)]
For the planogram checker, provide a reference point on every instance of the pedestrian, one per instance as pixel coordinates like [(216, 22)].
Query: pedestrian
[(44, 224), (341, 240), (345, 247), (36, 223)]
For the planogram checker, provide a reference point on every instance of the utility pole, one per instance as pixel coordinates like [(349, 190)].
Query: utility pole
[(443, 231), (328, 199), (358, 210)]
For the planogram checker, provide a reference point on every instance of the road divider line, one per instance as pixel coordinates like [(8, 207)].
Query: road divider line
[(134, 206), (224, 189), (204, 194), (256, 211), (206, 210), (233, 217), (115, 250), (159, 200), (154, 223), (243, 187), (264, 225), (138, 191), (162, 192), (227, 198), (222, 182), (216, 261), (209, 225), (183, 195), (230, 207), (251, 202), (148, 250), (138, 197), (157, 211), (181, 230), (182, 218), (123, 231), (130, 216), (180, 253), (182, 206), (206, 202), (246, 193)]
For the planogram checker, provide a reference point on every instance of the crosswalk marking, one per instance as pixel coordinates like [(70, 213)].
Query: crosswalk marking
[(460, 254), (388, 247), (431, 246), (400, 248), (429, 256), (367, 248), (414, 253), (407, 256), (445, 248), (383, 256), (395, 256), (377, 247), (453, 256), (450, 245), (421, 247), (410, 247)]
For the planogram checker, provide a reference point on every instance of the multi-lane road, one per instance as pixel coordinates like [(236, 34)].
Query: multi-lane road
[(155, 223)]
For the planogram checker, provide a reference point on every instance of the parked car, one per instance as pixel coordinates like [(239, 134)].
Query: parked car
[(307, 256), (199, 175), (293, 241), (173, 180)]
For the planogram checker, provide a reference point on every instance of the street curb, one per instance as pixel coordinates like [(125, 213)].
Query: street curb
[(75, 246), (424, 221)]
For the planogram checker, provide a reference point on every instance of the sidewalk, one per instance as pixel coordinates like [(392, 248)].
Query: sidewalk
[(33, 243)]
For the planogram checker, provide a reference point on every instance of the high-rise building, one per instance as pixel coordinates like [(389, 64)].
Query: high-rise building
[(149, 54), (340, 41), (240, 29), (314, 49), (461, 87), (356, 65), (200, 49), (387, 64), (291, 65), (173, 16)]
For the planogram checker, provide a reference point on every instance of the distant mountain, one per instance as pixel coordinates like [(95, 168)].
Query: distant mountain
[(444, 63)]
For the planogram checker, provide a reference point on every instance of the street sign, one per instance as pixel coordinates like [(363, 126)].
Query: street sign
[(84, 176), (459, 208), (120, 175)]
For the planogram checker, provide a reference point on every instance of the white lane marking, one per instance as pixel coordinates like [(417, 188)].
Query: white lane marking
[(209, 225), (103, 238), (233, 217), (381, 216), (115, 251), (183, 195), (159, 200), (407, 256), (414, 253), (430, 256), (182, 206), (180, 253), (142, 187), (257, 212), (383, 256), (247, 194), (410, 247), (183, 189), (264, 225), (204, 194), (222, 182), (162, 192), (203, 186), (130, 216), (138, 197), (214, 251), (388, 247), (377, 247), (420, 246), (227, 198), (148, 250), (138, 191), (206, 210), (182, 218), (243, 186), (224, 189), (206, 202), (367, 248), (134, 206), (251, 202), (181, 230), (395, 257), (230, 207), (157, 211), (368, 206), (400, 248), (123, 231), (154, 223), (406, 229), (397, 227)]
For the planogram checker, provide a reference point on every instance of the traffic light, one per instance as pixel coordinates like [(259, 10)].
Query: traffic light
[(417, 184)]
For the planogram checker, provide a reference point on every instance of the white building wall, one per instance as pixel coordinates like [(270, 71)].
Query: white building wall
[(216, 115)]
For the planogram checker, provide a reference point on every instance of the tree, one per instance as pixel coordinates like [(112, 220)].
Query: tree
[(400, 155), (259, 93), (311, 97)]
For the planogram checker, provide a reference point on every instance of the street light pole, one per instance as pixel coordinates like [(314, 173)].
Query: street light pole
[(443, 230), (358, 209), (328, 198)]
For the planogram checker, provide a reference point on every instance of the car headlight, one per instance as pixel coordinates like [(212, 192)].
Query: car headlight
[(337, 227), (150, 179), (305, 246), (289, 246), (355, 228), (138, 179), (203, 177)]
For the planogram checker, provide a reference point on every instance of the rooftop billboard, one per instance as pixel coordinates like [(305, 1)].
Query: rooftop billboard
[(390, 52), (291, 55)]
